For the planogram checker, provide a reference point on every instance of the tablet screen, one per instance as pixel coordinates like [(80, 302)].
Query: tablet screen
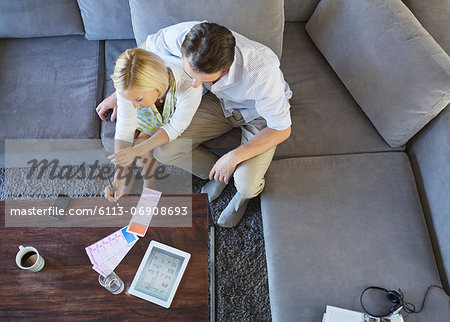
[(159, 273)]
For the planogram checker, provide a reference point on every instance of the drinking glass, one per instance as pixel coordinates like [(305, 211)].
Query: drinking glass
[(112, 283)]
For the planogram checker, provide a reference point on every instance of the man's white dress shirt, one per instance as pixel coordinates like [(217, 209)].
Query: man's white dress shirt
[(254, 84)]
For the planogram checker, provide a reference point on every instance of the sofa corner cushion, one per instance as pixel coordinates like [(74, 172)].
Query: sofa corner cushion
[(106, 20), (39, 18), (326, 120), (397, 73), (334, 225), (299, 10), (240, 16)]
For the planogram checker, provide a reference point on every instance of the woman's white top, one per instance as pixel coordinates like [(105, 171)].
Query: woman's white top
[(188, 99)]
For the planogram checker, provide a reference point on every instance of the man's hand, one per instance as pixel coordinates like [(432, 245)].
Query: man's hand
[(108, 103), (224, 167), (126, 156), (265, 140)]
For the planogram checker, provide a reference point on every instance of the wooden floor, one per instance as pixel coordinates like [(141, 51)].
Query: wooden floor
[(67, 288)]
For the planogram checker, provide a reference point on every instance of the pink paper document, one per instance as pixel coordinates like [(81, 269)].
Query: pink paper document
[(108, 252)]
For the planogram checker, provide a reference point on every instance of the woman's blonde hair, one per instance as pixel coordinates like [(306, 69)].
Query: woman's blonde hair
[(140, 70)]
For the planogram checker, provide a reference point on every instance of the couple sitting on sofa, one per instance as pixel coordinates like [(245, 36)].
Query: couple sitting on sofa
[(157, 101)]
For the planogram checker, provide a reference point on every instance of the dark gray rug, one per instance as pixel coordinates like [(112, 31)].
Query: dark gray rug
[(242, 292), (241, 273)]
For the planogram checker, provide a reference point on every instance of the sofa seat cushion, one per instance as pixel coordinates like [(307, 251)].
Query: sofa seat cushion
[(49, 87), (334, 225), (325, 118), (113, 48)]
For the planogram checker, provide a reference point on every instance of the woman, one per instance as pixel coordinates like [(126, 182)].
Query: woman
[(155, 104)]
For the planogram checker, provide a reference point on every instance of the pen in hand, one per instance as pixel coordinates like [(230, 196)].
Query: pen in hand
[(112, 189), (109, 179)]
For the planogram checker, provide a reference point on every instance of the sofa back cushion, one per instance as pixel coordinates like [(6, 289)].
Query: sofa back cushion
[(429, 150), (106, 19), (259, 20), (39, 18), (393, 68), (434, 15), (299, 10)]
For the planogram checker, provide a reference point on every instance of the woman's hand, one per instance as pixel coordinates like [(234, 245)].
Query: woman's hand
[(117, 186), (224, 167), (107, 104), (126, 156)]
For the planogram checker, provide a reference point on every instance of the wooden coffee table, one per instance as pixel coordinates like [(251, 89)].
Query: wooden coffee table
[(67, 288)]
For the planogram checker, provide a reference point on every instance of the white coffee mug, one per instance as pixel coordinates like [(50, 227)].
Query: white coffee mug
[(29, 258)]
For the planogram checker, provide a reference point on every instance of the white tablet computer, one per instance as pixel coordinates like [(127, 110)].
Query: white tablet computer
[(159, 274)]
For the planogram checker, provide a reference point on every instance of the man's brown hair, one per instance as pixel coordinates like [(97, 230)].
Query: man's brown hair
[(209, 48)]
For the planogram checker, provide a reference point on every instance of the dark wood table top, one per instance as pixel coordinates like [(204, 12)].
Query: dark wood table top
[(68, 289)]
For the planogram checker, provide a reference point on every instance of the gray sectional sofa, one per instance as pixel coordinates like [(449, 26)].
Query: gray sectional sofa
[(357, 196)]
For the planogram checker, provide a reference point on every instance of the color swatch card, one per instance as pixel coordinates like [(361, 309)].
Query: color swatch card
[(129, 237), (107, 253), (144, 212)]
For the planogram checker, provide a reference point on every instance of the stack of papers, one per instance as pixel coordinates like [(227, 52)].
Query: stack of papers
[(108, 252), (335, 314)]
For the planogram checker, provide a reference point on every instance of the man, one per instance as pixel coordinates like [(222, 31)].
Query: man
[(252, 94)]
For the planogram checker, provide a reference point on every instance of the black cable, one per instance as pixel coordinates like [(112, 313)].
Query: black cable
[(408, 307), (426, 294)]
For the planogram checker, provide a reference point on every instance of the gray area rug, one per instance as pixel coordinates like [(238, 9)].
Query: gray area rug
[(242, 292), (241, 273)]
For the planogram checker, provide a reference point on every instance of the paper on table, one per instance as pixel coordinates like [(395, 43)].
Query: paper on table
[(129, 237), (144, 212), (102, 270), (108, 252)]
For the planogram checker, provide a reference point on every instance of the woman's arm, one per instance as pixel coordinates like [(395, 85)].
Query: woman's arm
[(120, 174), (125, 129), (188, 101), (107, 104), (141, 150)]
